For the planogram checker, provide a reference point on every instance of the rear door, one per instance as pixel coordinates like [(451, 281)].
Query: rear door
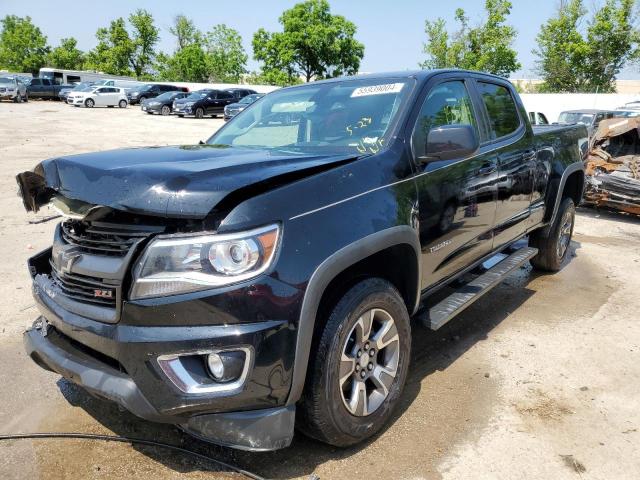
[(456, 197), (512, 139), (224, 99)]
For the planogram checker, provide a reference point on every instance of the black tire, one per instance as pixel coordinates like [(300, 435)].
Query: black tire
[(141, 100), (18, 98), (89, 103), (199, 113), (323, 412), (165, 110), (122, 103), (26, 98), (553, 243)]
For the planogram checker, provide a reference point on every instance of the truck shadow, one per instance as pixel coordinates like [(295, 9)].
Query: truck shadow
[(431, 352)]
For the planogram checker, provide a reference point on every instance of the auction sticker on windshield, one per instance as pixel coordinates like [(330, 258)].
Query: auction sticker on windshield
[(377, 89)]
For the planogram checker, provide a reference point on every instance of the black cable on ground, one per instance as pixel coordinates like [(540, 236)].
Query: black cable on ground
[(139, 441)]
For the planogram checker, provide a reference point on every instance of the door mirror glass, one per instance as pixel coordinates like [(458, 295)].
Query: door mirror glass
[(448, 142)]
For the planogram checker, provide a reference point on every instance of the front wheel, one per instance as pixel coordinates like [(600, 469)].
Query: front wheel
[(357, 372), (89, 103), (166, 110), (553, 242), (122, 104), (199, 113), (18, 98)]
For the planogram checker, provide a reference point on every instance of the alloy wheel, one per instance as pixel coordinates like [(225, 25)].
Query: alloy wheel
[(369, 362), (565, 234)]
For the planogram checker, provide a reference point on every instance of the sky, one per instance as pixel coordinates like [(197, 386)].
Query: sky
[(392, 31)]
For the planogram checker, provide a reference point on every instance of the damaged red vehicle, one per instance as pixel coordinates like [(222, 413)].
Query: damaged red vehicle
[(613, 166)]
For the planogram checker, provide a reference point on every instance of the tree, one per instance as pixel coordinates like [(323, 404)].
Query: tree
[(114, 50), (189, 64), (144, 38), (185, 31), (66, 55), (314, 43), (226, 57), (487, 47), (23, 47), (570, 61), (121, 53)]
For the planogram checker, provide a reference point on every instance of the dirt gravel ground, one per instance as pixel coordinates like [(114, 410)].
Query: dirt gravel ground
[(540, 379)]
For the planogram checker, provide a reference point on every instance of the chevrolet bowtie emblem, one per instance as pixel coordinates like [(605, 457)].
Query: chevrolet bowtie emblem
[(66, 259)]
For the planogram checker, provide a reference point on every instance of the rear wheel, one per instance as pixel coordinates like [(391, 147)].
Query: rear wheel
[(553, 242), (359, 367), (122, 104), (89, 103), (199, 113), (165, 110)]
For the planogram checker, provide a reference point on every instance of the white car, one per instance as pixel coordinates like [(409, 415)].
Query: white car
[(98, 96)]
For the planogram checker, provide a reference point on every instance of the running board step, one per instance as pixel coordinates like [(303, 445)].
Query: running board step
[(455, 303)]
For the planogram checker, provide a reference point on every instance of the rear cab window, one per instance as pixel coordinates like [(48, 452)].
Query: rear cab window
[(502, 111)]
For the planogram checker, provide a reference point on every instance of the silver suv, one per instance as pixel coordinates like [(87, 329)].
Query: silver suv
[(12, 89)]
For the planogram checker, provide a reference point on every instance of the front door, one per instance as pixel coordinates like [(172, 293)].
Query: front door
[(511, 137), (457, 197)]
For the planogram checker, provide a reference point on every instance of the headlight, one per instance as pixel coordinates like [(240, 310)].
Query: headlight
[(180, 264)]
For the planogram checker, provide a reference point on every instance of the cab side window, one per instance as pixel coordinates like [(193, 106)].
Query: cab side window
[(448, 103), (501, 109)]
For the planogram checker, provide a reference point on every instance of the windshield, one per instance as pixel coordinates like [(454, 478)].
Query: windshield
[(250, 98), (166, 96), (350, 116), (198, 95), (140, 88), (576, 117)]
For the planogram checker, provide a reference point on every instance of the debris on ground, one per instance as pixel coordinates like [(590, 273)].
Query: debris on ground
[(613, 166)]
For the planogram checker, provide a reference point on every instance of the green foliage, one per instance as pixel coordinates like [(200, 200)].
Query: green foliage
[(121, 53), (570, 61), (314, 43), (185, 31), (485, 48), (189, 64), (217, 56), (66, 55), (226, 58), (144, 38), (114, 50), (23, 47)]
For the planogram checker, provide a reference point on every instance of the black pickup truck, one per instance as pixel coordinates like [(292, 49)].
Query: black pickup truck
[(44, 88), (271, 276)]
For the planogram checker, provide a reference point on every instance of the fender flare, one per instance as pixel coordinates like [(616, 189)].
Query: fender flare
[(571, 168), (325, 273)]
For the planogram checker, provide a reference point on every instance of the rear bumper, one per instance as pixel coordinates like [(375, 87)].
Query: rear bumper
[(258, 430)]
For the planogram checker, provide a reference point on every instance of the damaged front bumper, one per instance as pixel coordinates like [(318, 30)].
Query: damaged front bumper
[(121, 359), (256, 430)]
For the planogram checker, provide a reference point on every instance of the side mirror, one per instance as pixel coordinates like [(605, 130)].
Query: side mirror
[(449, 142)]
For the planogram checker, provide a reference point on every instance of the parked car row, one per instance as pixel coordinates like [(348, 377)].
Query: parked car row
[(209, 102)]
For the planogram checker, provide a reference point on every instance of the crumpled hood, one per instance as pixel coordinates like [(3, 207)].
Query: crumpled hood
[(177, 182)]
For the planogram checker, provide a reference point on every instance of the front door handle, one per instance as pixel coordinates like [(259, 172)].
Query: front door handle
[(488, 170)]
